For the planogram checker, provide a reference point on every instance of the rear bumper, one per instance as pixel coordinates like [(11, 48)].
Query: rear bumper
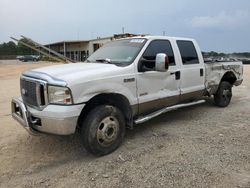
[(54, 119)]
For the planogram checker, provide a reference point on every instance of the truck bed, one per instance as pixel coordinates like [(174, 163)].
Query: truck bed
[(216, 70)]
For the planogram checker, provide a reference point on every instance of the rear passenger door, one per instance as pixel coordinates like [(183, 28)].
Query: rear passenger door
[(192, 71)]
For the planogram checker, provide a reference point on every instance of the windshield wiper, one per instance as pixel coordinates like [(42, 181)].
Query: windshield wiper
[(103, 60)]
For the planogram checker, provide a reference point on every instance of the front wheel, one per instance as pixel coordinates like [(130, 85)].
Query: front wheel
[(223, 95), (103, 130)]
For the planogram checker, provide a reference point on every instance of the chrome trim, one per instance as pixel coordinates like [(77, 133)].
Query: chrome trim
[(23, 117), (59, 120), (45, 90), (44, 79), (57, 126), (43, 76), (164, 110), (38, 96)]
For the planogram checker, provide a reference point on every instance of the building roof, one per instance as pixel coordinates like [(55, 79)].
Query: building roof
[(115, 36), (67, 41)]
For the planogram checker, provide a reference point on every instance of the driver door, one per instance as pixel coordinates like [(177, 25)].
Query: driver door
[(156, 90)]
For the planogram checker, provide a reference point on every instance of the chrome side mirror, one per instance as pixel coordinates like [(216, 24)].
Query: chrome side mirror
[(161, 62)]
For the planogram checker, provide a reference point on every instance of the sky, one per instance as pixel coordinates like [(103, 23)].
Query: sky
[(217, 25)]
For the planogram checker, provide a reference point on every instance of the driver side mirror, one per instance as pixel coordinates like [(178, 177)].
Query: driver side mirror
[(161, 62)]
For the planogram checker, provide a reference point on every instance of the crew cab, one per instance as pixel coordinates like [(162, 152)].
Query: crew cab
[(126, 82)]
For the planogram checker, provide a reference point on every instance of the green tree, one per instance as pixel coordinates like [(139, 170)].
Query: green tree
[(8, 48), (24, 50)]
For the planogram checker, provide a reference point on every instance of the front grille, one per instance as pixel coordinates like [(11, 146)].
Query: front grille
[(29, 92), (33, 92)]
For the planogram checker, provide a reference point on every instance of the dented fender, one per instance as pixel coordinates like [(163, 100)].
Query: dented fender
[(216, 70)]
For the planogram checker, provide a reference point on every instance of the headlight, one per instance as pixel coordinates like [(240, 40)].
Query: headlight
[(59, 95)]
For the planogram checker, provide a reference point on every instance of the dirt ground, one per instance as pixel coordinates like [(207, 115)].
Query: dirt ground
[(200, 146)]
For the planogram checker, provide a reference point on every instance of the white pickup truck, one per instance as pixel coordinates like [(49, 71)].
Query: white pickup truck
[(126, 82)]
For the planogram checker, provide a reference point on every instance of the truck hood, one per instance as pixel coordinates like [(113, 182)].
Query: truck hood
[(78, 72)]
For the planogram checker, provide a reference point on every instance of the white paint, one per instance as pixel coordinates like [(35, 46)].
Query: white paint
[(87, 80)]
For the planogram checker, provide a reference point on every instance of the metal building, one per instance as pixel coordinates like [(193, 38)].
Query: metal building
[(79, 50)]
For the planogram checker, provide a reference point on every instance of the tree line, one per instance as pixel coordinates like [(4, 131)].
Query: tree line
[(12, 49)]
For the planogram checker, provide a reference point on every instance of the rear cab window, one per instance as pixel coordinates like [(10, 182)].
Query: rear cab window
[(188, 52)]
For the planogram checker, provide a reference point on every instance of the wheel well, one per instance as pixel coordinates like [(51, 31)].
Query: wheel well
[(113, 99), (229, 77)]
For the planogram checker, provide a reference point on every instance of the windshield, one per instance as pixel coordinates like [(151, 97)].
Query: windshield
[(120, 52)]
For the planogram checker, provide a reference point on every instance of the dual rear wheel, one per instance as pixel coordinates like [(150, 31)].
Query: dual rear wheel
[(223, 95)]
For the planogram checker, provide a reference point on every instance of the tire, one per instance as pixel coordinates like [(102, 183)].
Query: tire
[(103, 130), (223, 95)]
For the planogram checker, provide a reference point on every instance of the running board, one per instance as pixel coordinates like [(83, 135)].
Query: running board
[(164, 110)]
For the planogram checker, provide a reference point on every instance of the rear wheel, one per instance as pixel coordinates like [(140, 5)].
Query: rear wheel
[(223, 95), (103, 130)]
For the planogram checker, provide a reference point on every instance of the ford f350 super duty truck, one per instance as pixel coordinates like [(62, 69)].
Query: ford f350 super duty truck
[(126, 82)]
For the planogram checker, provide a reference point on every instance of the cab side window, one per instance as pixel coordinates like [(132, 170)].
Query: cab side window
[(155, 47), (188, 52)]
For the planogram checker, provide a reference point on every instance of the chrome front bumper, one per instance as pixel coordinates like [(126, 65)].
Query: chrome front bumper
[(54, 119), (20, 114)]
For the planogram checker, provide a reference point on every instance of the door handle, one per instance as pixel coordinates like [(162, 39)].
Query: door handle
[(201, 72), (177, 74)]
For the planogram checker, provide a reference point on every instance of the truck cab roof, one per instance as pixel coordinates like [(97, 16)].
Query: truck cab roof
[(151, 37)]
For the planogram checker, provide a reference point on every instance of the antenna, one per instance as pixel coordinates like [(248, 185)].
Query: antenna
[(123, 29)]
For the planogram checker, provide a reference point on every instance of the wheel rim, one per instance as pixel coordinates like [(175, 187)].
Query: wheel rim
[(226, 95), (107, 130)]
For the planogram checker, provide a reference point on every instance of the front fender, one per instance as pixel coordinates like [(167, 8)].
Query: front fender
[(92, 89)]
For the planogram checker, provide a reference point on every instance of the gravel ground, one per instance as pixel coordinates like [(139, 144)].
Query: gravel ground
[(200, 146)]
